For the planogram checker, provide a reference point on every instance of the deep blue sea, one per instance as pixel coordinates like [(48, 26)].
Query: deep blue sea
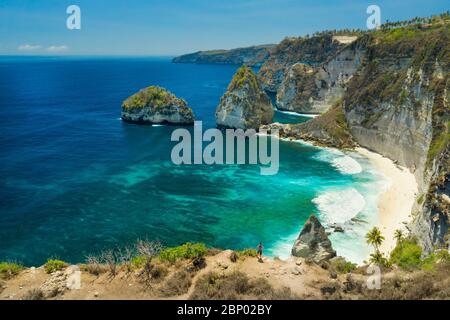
[(75, 179)]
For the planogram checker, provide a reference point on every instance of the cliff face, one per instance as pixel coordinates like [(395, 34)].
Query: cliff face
[(390, 91), (251, 56), (245, 105), (316, 89), (311, 51), (397, 105), (154, 105)]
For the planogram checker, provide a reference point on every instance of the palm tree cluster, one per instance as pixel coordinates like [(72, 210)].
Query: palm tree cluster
[(375, 238)]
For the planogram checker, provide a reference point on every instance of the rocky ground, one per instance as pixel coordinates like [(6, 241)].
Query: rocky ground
[(221, 278)]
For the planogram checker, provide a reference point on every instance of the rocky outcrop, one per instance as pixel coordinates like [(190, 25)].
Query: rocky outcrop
[(313, 242), (245, 105), (251, 56), (330, 129), (307, 89), (311, 51), (154, 105)]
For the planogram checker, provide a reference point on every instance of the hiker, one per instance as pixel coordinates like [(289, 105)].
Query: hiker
[(259, 251)]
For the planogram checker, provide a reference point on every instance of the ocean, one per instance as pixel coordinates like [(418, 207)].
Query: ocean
[(76, 180)]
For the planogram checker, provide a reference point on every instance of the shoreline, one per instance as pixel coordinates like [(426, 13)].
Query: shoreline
[(395, 203)]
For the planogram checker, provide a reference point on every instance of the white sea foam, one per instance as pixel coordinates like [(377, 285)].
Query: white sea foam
[(282, 248), (307, 115), (339, 206), (158, 125), (347, 165), (344, 163)]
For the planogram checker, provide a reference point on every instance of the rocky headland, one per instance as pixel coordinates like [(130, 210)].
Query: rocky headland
[(244, 105), (156, 105), (251, 56)]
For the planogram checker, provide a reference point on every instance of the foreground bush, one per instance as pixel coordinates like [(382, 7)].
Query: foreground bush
[(247, 253), (34, 294), (185, 251), (439, 257), (178, 284), (417, 285), (54, 265), (407, 255), (236, 285), (342, 266), (9, 269)]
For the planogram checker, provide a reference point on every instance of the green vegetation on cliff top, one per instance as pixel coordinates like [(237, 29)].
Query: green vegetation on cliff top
[(9, 269), (244, 75), (154, 97)]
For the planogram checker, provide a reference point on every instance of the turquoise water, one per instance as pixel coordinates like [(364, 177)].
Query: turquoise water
[(76, 180)]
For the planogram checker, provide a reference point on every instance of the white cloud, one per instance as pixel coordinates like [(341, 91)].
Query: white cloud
[(57, 48), (28, 47)]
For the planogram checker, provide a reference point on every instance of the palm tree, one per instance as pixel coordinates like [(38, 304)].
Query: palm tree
[(376, 258), (375, 238), (398, 235)]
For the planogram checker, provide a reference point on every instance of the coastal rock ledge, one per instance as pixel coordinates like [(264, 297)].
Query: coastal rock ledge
[(245, 105), (156, 105), (313, 242)]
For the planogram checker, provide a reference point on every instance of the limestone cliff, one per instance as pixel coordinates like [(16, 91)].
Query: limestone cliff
[(251, 56), (397, 105), (311, 51), (395, 102), (154, 105), (307, 89), (245, 105)]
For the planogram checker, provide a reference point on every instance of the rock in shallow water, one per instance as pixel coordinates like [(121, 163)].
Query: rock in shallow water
[(156, 105), (313, 242)]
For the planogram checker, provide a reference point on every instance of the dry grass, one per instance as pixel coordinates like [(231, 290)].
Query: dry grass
[(178, 284), (236, 285), (34, 294)]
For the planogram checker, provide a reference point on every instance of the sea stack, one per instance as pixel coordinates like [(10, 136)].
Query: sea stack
[(156, 105), (245, 105), (313, 242)]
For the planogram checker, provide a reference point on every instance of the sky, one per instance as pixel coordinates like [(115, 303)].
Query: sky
[(172, 27)]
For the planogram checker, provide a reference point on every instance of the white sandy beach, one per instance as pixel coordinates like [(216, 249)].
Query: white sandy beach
[(396, 202)]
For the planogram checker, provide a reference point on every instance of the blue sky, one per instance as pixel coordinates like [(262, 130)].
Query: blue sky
[(170, 27)]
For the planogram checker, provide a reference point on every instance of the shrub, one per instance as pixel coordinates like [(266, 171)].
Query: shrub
[(247, 253), (414, 286), (185, 251), (236, 285), (148, 250), (177, 285), (9, 269), (94, 266), (138, 262), (407, 255), (430, 262), (343, 266), (34, 294), (54, 265), (111, 260), (158, 271)]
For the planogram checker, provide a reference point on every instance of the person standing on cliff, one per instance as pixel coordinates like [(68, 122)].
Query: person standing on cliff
[(259, 251)]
